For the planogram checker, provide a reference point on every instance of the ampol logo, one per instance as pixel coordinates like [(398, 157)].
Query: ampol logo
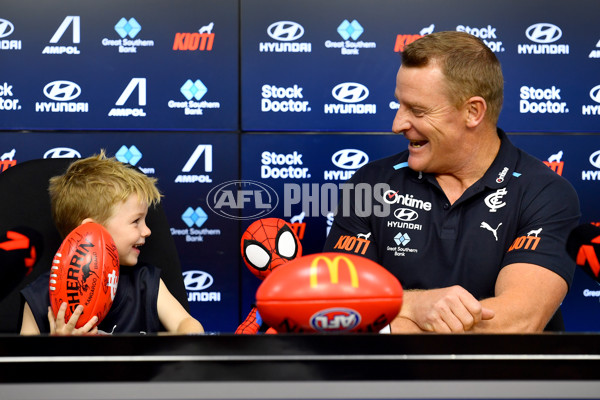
[(242, 200), (335, 320)]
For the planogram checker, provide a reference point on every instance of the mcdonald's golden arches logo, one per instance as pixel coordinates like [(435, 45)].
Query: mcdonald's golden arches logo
[(333, 267)]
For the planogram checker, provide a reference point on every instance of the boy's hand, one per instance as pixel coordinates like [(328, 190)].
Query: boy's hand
[(59, 327)]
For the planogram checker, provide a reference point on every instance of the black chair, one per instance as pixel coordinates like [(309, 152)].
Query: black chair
[(24, 202)]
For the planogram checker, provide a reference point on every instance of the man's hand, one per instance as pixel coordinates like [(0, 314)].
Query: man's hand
[(451, 309), (59, 327)]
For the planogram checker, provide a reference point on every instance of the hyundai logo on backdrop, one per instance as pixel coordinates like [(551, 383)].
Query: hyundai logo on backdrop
[(6, 29), (62, 90), (285, 31), (196, 282), (349, 158), (350, 92), (544, 35), (62, 152)]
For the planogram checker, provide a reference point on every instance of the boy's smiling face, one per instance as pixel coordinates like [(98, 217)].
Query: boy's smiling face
[(128, 228)]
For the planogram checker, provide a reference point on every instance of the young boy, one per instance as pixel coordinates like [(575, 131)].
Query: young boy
[(117, 196)]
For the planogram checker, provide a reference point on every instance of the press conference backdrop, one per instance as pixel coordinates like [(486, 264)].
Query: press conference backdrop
[(268, 98)]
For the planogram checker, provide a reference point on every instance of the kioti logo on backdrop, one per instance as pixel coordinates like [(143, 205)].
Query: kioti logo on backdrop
[(403, 40), (7, 160), (202, 40), (555, 162)]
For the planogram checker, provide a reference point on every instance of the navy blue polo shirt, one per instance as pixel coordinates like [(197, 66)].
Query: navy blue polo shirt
[(520, 211)]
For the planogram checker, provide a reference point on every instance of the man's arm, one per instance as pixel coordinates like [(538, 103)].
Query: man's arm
[(527, 296)]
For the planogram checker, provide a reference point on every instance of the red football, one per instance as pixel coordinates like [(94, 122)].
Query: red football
[(85, 270), (329, 292)]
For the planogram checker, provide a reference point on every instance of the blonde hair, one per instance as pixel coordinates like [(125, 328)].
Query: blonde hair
[(470, 67), (91, 187)]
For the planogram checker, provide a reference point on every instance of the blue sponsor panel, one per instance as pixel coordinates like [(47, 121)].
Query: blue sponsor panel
[(114, 65), (330, 66), (187, 166)]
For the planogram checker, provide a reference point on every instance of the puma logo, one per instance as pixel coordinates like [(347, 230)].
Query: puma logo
[(486, 226)]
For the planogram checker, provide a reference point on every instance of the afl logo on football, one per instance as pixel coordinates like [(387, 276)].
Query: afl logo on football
[(197, 280), (285, 31), (349, 159), (335, 320)]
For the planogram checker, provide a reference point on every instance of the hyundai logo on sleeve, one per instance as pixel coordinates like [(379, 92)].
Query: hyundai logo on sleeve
[(285, 31)]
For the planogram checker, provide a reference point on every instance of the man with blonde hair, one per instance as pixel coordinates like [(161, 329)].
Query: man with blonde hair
[(116, 196), (462, 200)]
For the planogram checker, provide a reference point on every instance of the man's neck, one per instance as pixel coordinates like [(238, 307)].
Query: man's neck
[(473, 168)]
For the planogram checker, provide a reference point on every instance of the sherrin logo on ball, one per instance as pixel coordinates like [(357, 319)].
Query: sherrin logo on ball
[(329, 292), (85, 271)]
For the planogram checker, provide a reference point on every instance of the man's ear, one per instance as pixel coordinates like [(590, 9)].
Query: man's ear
[(475, 108), (85, 221)]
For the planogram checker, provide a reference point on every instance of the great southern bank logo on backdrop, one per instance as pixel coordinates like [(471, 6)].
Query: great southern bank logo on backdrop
[(193, 91), (285, 34), (350, 32), (127, 29)]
